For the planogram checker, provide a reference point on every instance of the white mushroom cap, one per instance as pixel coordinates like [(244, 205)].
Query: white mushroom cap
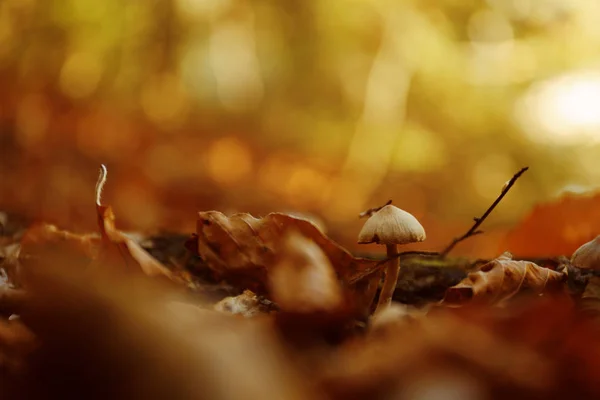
[(588, 255), (391, 225)]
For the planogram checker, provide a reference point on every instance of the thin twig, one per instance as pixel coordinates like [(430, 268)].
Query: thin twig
[(372, 211), (478, 221), (419, 253)]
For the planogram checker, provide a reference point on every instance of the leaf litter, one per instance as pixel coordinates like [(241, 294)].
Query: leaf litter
[(104, 315)]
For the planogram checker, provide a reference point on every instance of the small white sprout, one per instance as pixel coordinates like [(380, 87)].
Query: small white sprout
[(100, 183)]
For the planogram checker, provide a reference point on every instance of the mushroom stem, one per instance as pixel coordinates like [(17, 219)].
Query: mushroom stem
[(391, 278)]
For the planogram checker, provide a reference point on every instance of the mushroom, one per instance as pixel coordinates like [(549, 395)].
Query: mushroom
[(391, 226), (587, 259), (588, 255)]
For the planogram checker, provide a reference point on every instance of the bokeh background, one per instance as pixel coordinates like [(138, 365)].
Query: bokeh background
[(324, 108)]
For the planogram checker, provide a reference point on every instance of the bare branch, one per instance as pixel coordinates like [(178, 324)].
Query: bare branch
[(479, 220)]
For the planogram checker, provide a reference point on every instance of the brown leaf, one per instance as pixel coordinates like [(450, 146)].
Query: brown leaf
[(46, 236), (502, 278), (117, 335), (119, 248), (243, 247), (45, 244), (556, 228), (302, 280), (407, 353)]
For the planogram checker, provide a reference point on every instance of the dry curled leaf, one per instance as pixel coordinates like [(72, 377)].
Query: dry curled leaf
[(502, 278), (247, 245), (112, 248), (44, 241), (243, 249), (120, 248), (124, 249)]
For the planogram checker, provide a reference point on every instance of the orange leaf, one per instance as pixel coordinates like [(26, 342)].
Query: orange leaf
[(500, 279), (556, 228)]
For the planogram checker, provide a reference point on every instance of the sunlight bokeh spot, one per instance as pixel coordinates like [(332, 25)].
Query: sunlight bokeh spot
[(164, 100), (563, 110), (307, 186), (274, 172), (232, 53), (229, 160), (345, 202), (573, 188), (80, 75), (417, 149), (202, 8)]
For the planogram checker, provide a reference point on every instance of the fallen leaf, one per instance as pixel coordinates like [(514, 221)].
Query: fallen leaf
[(398, 357), (244, 249), (45, 236), (118, 248), (501, 279), (44, 244), (302, 279), (556, 228), (248, 244), (111, 334)]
